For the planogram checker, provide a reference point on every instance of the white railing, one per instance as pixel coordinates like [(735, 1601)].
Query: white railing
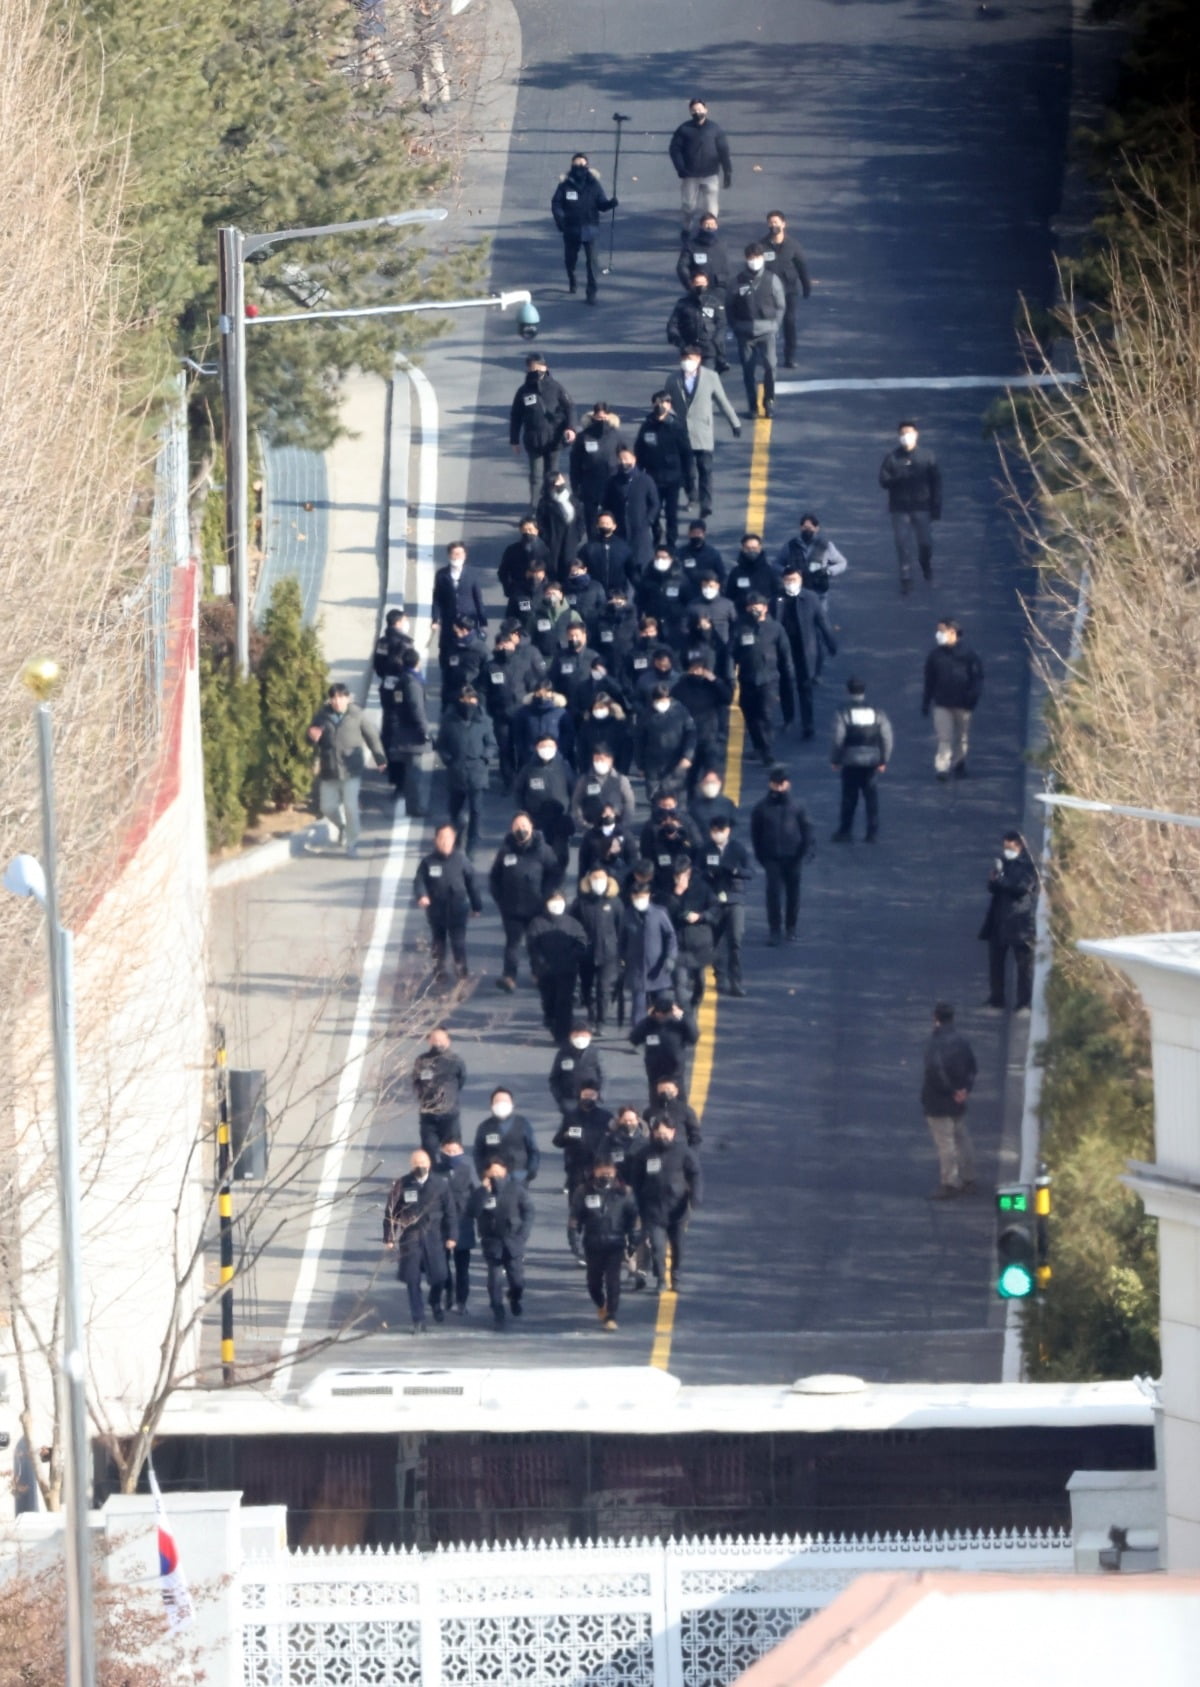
[(691, 1613)]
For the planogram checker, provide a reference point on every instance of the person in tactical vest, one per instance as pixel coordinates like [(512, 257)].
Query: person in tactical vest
[(862, 748)]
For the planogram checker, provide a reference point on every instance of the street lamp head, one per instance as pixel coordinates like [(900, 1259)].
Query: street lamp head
[(432, 214), (24, 877), (41, 676)]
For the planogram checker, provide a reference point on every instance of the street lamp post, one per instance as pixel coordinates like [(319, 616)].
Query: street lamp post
[(233, 248), (41, 677)]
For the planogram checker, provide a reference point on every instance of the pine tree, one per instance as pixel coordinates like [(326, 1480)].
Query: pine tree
[(292, 679)]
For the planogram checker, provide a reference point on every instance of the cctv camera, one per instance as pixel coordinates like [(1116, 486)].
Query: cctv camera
[(528, 322)]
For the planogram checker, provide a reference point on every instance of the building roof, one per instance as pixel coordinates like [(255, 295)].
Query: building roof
[(942, 1628)]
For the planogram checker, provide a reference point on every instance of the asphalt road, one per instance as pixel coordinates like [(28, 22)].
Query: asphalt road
[(917, 149)]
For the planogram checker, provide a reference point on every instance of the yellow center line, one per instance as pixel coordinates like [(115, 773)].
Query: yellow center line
[(756, 509)]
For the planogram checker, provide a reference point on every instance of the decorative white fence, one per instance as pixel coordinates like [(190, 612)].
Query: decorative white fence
[(692, 1613)]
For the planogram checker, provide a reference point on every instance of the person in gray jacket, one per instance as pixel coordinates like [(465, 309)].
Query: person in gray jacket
[(754, 309), (694, 390), (343, 735), (862, 748)]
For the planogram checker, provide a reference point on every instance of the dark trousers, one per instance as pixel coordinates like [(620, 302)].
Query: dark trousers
[(505, 1271), (598, 988), (541, 463), (439, 1128), (913, 535), (443, 930), (557, 990), (468, 800), (604, 1276), (854, 780), (502, 728), (756, 702), (791, 303), (571, 247), (658, 1234), (514, 942), (731, 934), (1022, 954), (458, 1266), (666, 523), (804, 697), (426, 1255), (755, 354), (783, 894), (704, 480), (689, 979)]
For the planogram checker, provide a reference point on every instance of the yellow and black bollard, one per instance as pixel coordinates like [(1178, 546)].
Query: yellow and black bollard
[(225, 1208)]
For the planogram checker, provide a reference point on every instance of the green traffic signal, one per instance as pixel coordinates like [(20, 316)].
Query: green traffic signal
[(1015, 1282)]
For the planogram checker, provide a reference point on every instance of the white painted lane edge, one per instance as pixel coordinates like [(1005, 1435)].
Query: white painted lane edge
[(933, 383)]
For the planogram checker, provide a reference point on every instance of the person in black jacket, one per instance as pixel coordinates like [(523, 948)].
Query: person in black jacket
[(765, 671), (698, 319), (404, 726), (664, 450), (465, 743), (781, 837), (754, 309), (665, 1035), (1011, 922), (394, 640), (593, 459), (560, 523), (502, 1213), (913, 482), (541, 421), (606, 556), (556, 945), (751, 572), (543, 788), (706, 699), (728, 868), (516, 558), (692, 909), (632, 497), (522, 874), (598, 910), (457, 597), (668, 1190), (953, 687), (700, 153), (438, 1076), (445, 886), (604, 1217), (458, 1169), (503, 684), (947, 1081), (582, 1128), (798, 616), (576, 1067), (578, 204), (704, 253), (419, 1222), (607, 844), (668, 1103), (664, 740), (461, 659), (784, 258), (508, 1137)]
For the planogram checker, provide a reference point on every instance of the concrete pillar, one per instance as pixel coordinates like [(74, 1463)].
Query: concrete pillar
[(1166, 969)]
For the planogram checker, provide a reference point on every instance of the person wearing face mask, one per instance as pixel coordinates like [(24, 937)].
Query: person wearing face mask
[(524, 871), (699, 152), (544, 715), (606, 556), (862, 748), (609, 845), (625, 1143), (632, 497), (466, 745), (728, 868), (663, 449), (766, 673), (419, 1223), (820, 563), (457, 598), (615, 631), (694, 390), (798, 617), (953, 687), (585, 597), (543, 789), (525, 605), (576, 1069), (541, 421), (571, 665), (664, 740), (578, 204), (1011, 923), (648, 944), (668, 828), (462, 658), (704, 253), (503, 683), (702, 648), (706, 699), (582, 1129), (404, 729), (663, 594), (668, 1102), (710, 614), (665, 1035), (593, 459), (668, 1191), (600, 787), (438, 1076), (507, 1136), (605, 729), (785, 258), (910, 476), (751, 572), (604, 1217), (692, 909), (710, 803), (598, 910), (755, 307), (696, 325), (342, 736), (556, 945), (781, 837), (699, 555), (560, 523), (545, 625), (446, 888), (528, 547), (502, 1213), (458, 1169)]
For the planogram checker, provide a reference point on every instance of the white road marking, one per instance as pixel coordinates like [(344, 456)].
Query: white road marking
[(402, 832), (457, 6), (933, 383)]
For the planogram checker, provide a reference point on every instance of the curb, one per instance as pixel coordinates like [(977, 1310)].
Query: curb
[(264, 858)]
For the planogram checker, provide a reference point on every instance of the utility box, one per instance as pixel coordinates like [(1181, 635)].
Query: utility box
[(248, 1124)]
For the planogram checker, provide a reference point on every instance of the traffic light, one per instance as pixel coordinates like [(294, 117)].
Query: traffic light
[(1016, 1242)]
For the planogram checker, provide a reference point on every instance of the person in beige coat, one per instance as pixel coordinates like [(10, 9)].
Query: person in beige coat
[(694, 390)]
